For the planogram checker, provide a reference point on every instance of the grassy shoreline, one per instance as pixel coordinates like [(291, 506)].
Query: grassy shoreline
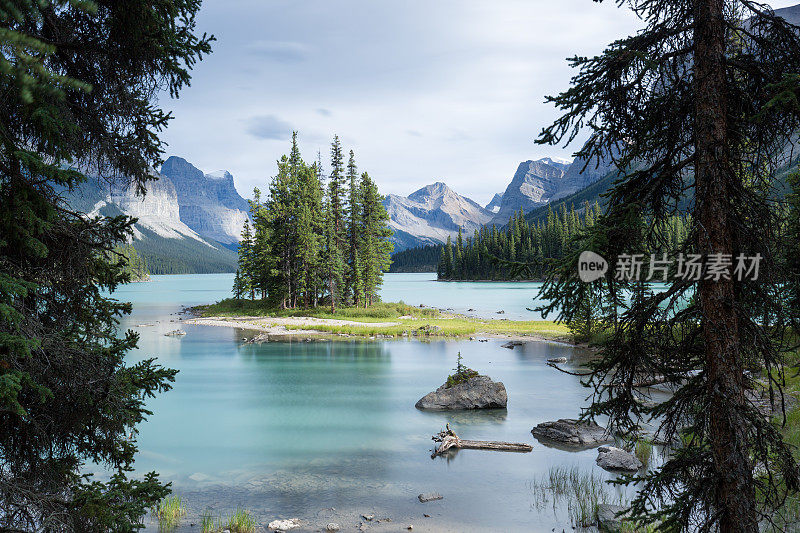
[(386, 320)]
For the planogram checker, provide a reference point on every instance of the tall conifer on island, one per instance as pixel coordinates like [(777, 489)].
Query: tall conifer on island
[(310, 228), (375, 248), (337, 238), (353, 223), (696, 102), (245, 270), (78, 81)]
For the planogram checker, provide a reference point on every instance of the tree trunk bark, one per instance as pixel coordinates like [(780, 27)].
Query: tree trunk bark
[(735, 494)]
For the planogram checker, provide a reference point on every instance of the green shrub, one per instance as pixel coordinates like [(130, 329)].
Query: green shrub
[(644, 451)]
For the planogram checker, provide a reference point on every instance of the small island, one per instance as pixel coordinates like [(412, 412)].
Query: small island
[(384, 320), (465, 389)]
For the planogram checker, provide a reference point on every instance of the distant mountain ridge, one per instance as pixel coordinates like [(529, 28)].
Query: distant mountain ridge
[(209, 203), (188, 222), (431, 214)]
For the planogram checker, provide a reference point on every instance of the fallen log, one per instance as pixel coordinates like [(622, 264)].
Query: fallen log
[(448, 439)]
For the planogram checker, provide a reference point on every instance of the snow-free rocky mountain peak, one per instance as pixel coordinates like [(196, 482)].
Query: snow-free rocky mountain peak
[(209, 203), (187, 221), (535, 183), (431, 214)]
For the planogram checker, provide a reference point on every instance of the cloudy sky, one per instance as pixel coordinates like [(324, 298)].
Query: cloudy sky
[(421, 90)]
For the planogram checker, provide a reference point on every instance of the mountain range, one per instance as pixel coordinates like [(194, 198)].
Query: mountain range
[(431, 214), (188, 221), (191, 221)]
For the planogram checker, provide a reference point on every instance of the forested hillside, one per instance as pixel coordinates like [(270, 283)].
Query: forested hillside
[(132, 263), (523, 249), (183, 256), (419, 259)]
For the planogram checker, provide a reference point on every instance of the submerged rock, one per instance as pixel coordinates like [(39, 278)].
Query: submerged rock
[(284, 525), (175, 333), (479, 392), (557, 360), (429, 497), (607, 518), (571, 432), (511, 345), (616, 459), (333, 527)]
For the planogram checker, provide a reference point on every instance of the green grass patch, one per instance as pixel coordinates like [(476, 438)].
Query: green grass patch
[(208, 523), (411, 321), (456, 327), (580, 492), (241, 521), (379, 311), (168, 512), (643, 451)]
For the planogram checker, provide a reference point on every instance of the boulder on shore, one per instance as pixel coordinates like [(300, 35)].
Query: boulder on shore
[(607, 518), (479, 392), (616, 459), (571, 432), (284, 525)]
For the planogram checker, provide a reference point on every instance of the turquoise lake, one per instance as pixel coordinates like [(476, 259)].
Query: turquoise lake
[(327, 431)]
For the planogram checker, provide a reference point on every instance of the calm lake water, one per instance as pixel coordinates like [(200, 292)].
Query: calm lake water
[(328, 431)]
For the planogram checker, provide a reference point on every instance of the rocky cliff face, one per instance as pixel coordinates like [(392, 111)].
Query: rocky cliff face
[(431, 214), (187, 221), (208, 203), (494, 205), (535, 183), (157, 211)]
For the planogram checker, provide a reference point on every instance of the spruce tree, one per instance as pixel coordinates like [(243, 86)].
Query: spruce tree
[(336, 232), (375, 248), (79, 81), (697, 104), (310, 228), (238, 288), (246, 265), (353, 224)]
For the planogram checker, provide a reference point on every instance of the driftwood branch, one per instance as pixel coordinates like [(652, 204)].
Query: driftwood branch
[(448, 439)]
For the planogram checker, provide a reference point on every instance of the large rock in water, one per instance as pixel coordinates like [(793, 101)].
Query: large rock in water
[(571, 432), (479, 392), (616, 459)]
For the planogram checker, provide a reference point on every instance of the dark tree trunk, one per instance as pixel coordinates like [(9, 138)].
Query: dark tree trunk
[(714, 185)]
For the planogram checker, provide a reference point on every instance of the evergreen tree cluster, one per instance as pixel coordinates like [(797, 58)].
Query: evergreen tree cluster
[(418, 259), (526, 249), (132, 264), (311, 243)]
